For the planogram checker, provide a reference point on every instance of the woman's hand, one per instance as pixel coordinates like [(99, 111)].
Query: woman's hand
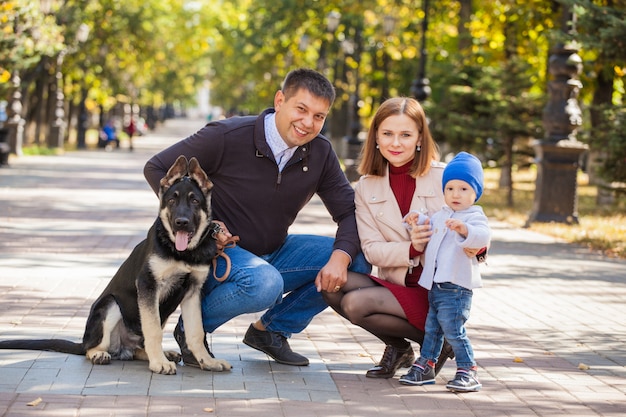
[(420, 235)]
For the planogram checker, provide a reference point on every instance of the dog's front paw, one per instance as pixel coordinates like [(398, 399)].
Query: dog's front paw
[(217, 365), (99, 357), (173, 356), (163, 367)]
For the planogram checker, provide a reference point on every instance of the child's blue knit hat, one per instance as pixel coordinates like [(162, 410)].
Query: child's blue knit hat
[(465, 167)]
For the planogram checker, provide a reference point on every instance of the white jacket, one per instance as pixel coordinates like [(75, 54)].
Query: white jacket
[(444, 259)]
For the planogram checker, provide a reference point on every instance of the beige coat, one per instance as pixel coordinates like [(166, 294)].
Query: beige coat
[(384, 240)]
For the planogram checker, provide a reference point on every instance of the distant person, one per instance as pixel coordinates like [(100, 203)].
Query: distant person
[(265, 170), (131, 129), (109, 137), (451, 276)]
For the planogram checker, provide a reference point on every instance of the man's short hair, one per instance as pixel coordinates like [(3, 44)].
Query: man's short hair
[(310, 80)]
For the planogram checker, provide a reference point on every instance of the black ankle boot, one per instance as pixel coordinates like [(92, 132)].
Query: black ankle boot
[(188, 358), (393, 359), (446, 353)]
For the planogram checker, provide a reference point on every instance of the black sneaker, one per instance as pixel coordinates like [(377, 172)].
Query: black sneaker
[(274, 345), (465, 380), (419, 376), (187, 356)]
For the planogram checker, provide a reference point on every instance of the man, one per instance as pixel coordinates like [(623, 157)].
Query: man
[(265, 169)]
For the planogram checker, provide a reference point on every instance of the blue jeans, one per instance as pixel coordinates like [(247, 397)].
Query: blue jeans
[(449, 309), (257, 283)]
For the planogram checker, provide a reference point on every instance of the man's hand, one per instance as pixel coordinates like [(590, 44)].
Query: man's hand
[(334, 274), (223, 237)]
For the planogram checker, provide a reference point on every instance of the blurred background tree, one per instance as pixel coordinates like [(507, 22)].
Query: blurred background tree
[(486, 63)]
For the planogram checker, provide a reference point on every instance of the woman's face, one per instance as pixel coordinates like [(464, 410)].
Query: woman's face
[(397, 136)]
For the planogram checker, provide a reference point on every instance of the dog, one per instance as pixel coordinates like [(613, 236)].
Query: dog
[(165, 270)]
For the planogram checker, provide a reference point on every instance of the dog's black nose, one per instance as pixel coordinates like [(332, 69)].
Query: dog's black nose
[(181, 222)]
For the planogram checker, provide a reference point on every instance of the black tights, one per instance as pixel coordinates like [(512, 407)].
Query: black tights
[(374, 308)]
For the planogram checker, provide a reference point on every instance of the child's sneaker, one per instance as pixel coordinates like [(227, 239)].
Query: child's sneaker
[(419, 376), (465, 380)]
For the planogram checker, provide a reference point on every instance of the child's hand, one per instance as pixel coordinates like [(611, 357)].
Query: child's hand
[(457, 225), (414, 218)]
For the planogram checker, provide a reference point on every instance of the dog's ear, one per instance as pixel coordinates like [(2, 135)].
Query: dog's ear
[(198, 175), (176, 172)]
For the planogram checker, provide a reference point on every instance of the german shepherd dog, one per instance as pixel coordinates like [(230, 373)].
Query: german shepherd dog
[(165, 270)]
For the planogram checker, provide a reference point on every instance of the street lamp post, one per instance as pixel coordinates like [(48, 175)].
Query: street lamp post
[(421, 85), (15, 122), (352, 140), (81, 37), (57, 131), (332, 23), (559, 152), (389, 23), (83, 120)]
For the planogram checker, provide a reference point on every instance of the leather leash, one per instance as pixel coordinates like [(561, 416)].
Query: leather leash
[(230, 243)]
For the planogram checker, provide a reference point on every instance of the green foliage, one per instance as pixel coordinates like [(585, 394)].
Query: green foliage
[(486, 61), (26, 35), (485, 106), (609, 138), (601, 31)]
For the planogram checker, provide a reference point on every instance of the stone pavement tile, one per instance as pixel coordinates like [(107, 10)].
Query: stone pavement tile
[(251, 407), (545, 308)]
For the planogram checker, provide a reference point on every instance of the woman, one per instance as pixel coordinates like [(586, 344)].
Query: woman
[(400, 174)]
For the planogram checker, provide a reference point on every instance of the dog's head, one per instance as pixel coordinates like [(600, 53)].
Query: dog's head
[(185, 195)]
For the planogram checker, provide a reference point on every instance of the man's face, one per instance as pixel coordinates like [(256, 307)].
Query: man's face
[(301, 118)]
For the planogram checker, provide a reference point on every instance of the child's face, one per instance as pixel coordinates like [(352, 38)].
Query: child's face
[(459, 195)]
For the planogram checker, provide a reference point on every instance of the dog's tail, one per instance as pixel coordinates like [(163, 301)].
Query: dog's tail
[(53, 345)]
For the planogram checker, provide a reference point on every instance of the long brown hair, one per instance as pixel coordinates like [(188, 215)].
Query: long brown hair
[(372, 161)]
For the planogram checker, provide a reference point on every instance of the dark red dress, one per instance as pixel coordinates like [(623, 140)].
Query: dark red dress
[(412, 298)]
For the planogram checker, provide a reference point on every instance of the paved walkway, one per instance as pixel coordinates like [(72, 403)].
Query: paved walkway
[(548, 328)]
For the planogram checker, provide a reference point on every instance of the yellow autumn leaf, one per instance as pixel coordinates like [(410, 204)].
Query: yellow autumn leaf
[(35, 402), (5, 76), (517, 359)]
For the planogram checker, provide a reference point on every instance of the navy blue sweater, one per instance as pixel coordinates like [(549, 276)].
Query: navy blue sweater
[(250, 196)]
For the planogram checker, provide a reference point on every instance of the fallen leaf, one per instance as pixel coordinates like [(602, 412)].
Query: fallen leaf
[(365, 355), (517, 359), (583, 367), (34, 402), (208, 410)]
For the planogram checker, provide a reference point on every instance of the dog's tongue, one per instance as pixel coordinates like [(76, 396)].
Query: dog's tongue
[(181, 241)]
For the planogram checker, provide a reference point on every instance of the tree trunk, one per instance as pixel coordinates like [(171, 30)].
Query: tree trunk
[(465, 15), (506, 173)]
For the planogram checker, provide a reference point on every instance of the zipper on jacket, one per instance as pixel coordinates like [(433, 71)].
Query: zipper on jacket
[(411, 266)]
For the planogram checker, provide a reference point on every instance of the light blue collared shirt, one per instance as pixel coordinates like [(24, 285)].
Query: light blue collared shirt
[(282, 153)]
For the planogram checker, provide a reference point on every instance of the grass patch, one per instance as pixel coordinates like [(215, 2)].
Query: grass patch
[(40, 150), (601, 229)]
